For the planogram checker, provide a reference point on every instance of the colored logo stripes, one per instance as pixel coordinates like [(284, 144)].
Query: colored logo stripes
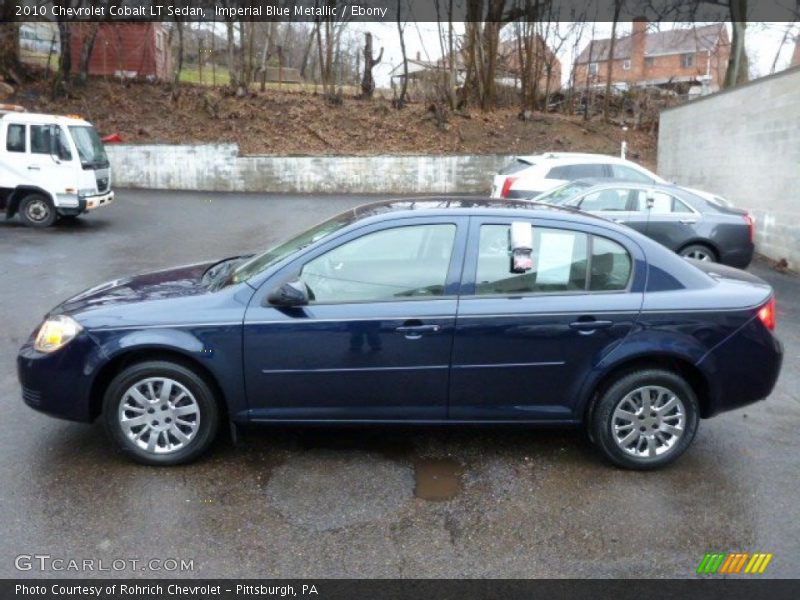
[(734, 562)]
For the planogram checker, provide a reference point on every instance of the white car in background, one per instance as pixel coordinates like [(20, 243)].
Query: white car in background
[(529, 176)]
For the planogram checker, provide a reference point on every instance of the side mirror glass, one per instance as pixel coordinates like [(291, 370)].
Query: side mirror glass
[(521, 244), (291, 293)]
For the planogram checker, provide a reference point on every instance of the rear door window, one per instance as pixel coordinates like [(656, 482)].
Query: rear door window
[(665, 204), (629, 174), (607, 200), (515, 167), (563, 261)]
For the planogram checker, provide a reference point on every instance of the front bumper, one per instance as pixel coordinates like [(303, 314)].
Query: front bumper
[(59, 383), (93, 202)]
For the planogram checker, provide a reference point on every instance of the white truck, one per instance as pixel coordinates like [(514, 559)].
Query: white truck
[(50, 166)]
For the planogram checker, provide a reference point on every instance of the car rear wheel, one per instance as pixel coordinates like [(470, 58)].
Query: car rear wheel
[(699, 252), (645, 419), (36, 210), (160, 413)]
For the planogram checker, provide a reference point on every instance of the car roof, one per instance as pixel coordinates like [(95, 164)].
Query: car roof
[(571, 157), (471, 206)]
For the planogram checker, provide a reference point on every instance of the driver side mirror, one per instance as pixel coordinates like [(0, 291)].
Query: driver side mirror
[(291, 293)]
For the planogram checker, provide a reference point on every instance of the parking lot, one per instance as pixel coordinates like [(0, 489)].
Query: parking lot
[(387, 502)]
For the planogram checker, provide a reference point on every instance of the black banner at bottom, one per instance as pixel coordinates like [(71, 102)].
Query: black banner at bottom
[(325, 589)]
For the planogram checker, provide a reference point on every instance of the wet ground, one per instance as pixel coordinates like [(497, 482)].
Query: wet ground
[(388, 502)]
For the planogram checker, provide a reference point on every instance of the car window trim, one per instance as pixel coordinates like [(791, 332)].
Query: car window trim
[(291, 269), (474, 239)]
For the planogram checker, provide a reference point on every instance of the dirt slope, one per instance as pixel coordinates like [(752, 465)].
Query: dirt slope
[(286, 123)]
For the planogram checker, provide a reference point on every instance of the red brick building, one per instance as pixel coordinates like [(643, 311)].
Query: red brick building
[(691, 56), (124, 49), (545, 62)]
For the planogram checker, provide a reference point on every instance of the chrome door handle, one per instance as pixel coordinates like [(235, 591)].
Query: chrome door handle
[(590, 326), (33, 168), (688, 221), (414, 332)]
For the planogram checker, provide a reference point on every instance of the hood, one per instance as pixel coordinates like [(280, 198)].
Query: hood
[(158, 285)]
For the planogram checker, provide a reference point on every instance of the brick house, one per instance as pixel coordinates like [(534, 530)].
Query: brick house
[(695, 56), (124, 50), (545, 62)]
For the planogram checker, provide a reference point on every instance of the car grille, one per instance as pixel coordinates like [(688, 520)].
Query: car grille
[(32, 397), (102, 184)]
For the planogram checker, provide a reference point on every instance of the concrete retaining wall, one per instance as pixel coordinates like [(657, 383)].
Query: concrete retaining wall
[(743, 144), (220, 168)]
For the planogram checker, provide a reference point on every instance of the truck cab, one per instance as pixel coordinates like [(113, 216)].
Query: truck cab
[(51, 166)]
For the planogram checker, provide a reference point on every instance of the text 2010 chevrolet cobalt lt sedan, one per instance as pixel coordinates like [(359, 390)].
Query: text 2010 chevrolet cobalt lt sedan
[(432, 311)]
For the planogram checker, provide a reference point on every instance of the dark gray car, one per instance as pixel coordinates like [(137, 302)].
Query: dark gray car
[(684, 222)]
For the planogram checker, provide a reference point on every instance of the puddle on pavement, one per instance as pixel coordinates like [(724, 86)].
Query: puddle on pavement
[(437, 479)]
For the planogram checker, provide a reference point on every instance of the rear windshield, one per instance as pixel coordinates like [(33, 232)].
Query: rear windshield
[(515, 167)]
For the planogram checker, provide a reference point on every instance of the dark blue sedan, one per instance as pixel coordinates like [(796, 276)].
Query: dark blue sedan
[(429, 311)]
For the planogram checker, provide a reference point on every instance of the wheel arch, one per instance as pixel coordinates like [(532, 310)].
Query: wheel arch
[(701, 242), (694, 376), (138, 354), (16, 196)]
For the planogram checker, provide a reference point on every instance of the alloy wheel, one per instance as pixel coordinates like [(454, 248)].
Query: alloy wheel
[(159, 415), (648, 422), (698, 254)]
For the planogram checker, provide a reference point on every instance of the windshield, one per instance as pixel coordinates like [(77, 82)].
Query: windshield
[(563, 193), (90, 148), (260, 262)]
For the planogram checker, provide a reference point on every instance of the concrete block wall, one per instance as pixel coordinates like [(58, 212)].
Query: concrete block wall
[(220, 168), (743, 144)]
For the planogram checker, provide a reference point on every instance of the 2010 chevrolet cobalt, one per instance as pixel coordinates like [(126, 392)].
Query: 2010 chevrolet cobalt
[(427, 311)]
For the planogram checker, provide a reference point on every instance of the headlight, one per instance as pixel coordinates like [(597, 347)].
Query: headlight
[(82, 193), (56, 332)]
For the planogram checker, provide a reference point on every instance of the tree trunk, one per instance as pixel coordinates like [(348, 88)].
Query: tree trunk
[(368, 81), (401, 101), (176, 77), (610, 62), (86, 51), (737, 64)]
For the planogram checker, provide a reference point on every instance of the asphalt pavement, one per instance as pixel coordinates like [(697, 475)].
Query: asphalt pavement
[(386, 502)]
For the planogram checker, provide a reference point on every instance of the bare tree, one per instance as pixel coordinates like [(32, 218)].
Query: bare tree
[(368, 81), (401, 26), (610, 62), (738, 64)]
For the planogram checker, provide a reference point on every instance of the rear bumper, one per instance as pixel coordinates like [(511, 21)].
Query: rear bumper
[(743, 369), (740, 257)]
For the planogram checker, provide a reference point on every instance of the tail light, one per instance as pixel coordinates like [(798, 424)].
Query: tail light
[(507, 186), (751, 225), (766, 314)]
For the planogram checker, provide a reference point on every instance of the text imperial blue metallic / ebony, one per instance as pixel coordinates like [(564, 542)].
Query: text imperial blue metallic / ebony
[(425, 311)]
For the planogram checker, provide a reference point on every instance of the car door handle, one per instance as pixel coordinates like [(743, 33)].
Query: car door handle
[(688, 221), (414, 332), (33, 168), (588, 326)]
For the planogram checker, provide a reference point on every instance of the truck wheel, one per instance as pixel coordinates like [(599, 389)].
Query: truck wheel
[(37, 210)]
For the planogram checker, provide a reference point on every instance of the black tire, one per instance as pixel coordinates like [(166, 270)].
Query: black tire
[(199, 390), (37, 210), (602, 419), (699, 252)]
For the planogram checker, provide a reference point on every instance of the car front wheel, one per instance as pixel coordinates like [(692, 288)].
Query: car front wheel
[(160, 413), (699, 252), (645, 419)]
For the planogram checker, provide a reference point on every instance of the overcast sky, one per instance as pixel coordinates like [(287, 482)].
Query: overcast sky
[(763, 41)]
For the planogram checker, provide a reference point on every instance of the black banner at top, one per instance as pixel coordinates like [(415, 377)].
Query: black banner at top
[(389, 10)]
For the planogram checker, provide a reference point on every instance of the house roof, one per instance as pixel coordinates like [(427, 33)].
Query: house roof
[(673, 41)]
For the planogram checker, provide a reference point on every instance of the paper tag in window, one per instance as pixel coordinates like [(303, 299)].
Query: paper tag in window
[(555, 257)]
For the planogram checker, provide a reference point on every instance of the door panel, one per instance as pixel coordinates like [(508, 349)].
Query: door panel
[(524, 356), (349, 361), (375, 342)]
